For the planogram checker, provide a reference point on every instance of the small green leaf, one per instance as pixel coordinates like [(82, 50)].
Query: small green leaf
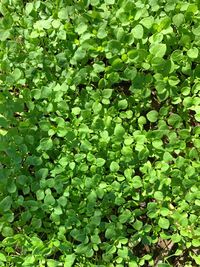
[(174, 120), (137, 32), (117, 64), (178, 19), (193, 52), (49, 199), (197, 259), (137, 225), (95, 239), (56, 23), (107, 93), (7, 231), (16, 74), (196, 243), (110, 233), (125, 216), (163, 223), (157, 144), (119, 131), (158, 195), (63, 14), (102, 33), (164, 211), (62, 36), (114, 166), (81, 28), (130, 73), (5, 204), (100, 162), (123, 252), (158, 50), (137, 182), (4, 35), (76, 111), (40, 194), (123, 104), (152, 116), (29, 7), (2, 257), (46, 144), (147, 22)]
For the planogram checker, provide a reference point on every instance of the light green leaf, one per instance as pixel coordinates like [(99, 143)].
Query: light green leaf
[(158, 50), (123, 252), (125, 216), (45, 144), (123, 104), (137, 182), (107, 93), (69, 260), (16, 74), (163, 223), (178, 19), (114, 166), (76, 111), (63, 14), (110, 232), (4, 35), (7, 231), (174, 120), (79, 54), (81, 28), (102, 33), (40, 194), (2, 257), (157, 144), (62, 35), (130, 73), (56, 23), (158, 195), (152, 116), (117, 64), (137, 225), (29, 8), (5, 204), (119, 131), (49, 199), (100, 162), (147, 22), (193, 52), (137, 32)]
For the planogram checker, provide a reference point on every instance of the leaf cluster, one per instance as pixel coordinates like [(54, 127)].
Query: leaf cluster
[(99, 133)]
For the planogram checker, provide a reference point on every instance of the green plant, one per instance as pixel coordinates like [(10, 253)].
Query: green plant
[(99, 133)]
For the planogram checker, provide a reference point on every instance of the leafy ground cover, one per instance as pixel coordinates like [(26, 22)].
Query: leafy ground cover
[(99, 133)]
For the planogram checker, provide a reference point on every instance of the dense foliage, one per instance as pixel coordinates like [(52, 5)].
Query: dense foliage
[(99, 133)]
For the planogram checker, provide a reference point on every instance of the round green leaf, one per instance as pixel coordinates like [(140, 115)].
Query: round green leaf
[(163, 223), (193, 52), (137, 182), (114, 166), (137, 32), (100, 162), (119, 131), (158, 50), (123, 104), (178, 19), (152, 116)]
